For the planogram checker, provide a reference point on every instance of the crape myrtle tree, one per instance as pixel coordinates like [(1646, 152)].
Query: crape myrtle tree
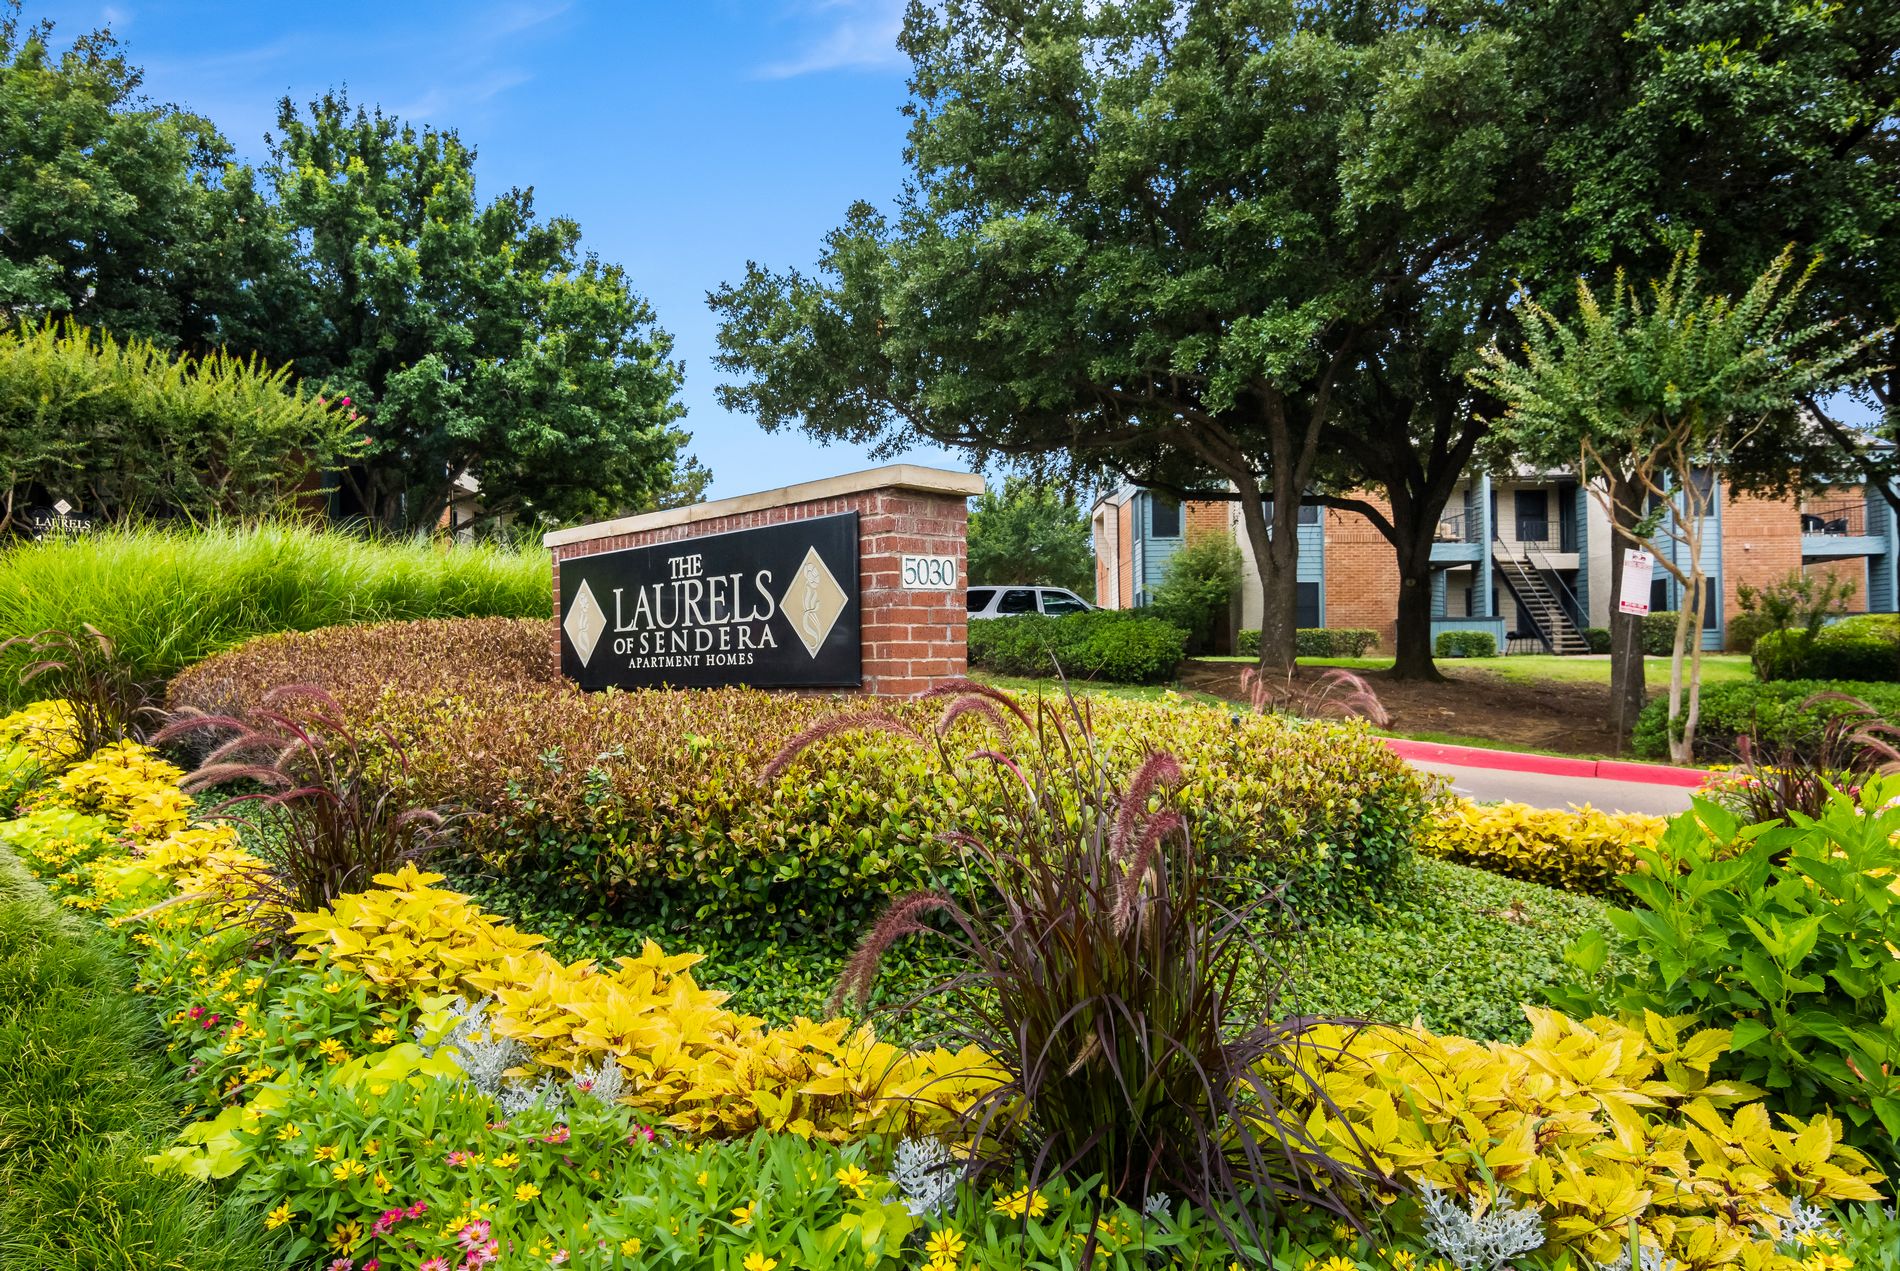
[(1127, 236), (475, 335), (1654, 396)]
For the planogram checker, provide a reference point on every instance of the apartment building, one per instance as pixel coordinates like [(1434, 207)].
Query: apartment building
[(1524, 556)]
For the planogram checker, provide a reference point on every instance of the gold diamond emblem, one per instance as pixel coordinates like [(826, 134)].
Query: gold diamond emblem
[(585, 622), (813, 602)]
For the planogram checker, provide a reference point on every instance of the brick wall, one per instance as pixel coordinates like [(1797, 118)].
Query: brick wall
[(1362, 574), (1761, 544), (1203, 519), (1853, 569), (1125, 551), (913, 640)]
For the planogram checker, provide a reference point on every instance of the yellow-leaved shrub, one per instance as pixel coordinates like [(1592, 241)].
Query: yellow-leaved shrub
[(127, 782), (48, 731), (1592, 1121), (686, 1059), (1580, 849)]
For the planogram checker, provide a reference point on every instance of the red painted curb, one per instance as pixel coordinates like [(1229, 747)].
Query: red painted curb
[(1546, 765)]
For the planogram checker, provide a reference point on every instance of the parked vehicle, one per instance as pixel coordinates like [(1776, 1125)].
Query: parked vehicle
[(1007, 602)]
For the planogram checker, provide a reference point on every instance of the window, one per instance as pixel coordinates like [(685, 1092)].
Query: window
[(1061, 602), (1306, 606), (1708, 604), (1164, 517), (979, 598), (1017, 600), (1309, 514), (1533, 516), (1659, 595)]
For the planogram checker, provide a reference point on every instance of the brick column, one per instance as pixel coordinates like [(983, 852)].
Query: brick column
[(912, 639)]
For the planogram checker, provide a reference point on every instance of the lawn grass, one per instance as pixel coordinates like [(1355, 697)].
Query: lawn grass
[(82, 1103), (1460, 948), (1544, 668)]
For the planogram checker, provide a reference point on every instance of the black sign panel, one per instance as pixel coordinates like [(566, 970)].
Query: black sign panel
[(775, 607)]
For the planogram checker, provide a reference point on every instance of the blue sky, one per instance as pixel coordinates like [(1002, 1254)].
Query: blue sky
[(686, 137)]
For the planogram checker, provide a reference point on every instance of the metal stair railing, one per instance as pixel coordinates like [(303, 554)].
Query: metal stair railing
[(1542, 605), (1572, 607)]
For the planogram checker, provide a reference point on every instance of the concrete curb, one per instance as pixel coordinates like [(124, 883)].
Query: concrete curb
[(1548, 765)]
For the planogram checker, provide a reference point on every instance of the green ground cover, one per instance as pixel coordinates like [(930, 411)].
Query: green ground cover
[(82, 1103)]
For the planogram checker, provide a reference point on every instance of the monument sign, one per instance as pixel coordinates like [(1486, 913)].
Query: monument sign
[(773, 607)]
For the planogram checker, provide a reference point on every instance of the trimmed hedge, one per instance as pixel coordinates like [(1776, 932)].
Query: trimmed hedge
[(1864, 647), (1465, 644), (1317, 642), (1659, 633), (648, 806), (1773, 713), (1117, 646), (1598, 638)]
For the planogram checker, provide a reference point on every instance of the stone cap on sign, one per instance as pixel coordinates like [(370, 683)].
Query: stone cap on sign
[(896, 476)]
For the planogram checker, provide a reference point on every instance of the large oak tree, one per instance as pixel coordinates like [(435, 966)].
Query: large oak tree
[(1153, 235)]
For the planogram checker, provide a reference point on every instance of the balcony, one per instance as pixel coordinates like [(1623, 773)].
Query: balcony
[(1455, 541), (1839, 528)]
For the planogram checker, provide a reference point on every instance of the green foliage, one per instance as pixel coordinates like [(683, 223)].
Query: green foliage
[(1465, 644), (1124, 646), (1598, 638), (1659, 633), (124, 429), (1798, 605), (1863, 647), (82, 1100), (479, 336), (1461, 948), (651, 807), (1784, 934), (1776, 715), (1316, 642), (1031, 534), (117, 213), (166, 599), (1197, 591)]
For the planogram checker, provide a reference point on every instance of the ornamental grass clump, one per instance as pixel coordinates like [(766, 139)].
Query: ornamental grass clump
[(103, 698), (1106, 980), (1779, 777), (331, 812)]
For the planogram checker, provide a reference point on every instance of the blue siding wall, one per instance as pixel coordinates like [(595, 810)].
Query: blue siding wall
[(1580, 518), (1880, 569)]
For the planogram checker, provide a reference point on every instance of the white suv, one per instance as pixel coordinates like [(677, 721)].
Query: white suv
[(1007, 602)]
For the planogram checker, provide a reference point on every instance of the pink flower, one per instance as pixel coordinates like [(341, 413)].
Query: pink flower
[(344, 400), (458, 1159), (437, 1263), (211, 1021), (473, 1234), (196, 1012), (342, 1264), (641, 1134), (559, 1257), (557, 1135), (482, 1255), (374, 1264), (418, 1209)]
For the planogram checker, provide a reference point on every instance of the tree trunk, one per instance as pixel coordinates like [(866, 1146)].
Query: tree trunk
[(1412, 637), (1276, 560), (1627, 690)]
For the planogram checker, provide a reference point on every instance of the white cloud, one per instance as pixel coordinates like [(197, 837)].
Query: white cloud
[(856, 35)]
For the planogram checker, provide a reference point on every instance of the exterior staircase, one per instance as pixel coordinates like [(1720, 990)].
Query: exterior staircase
[(1538, 600)]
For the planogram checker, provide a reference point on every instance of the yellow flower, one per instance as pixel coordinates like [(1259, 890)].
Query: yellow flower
[(630, 1246), (277, 1217), (854, 1177), (756, 1261), (1018, 1203), (325, 1152), (382, 1037), (287, 1131), (743, 1215), (944, 1246), (703, 1176), (1827, 1262), (1337, 1263), (345, 1235), (372, 1147), (382, 1183), (526, 1191), (342, 1170), (507, 1160), (1399, 1259), (331, 986)]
